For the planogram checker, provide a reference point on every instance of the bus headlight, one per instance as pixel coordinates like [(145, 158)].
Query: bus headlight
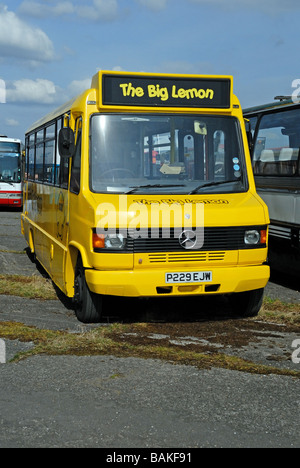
[(255, 237), (114, 241), (108, 241)]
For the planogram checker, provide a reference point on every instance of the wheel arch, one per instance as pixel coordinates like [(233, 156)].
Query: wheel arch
[(74, 252)]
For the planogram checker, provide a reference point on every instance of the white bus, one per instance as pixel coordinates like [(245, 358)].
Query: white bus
[(275, 144), (10, 172)]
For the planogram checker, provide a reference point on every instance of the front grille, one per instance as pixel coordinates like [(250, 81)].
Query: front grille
[(215, 239)]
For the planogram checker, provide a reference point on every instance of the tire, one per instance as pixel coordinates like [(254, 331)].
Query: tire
[(248, 303), (88, 305)]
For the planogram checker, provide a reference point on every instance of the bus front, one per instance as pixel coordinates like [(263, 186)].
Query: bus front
[(10, 172), (171, 189)]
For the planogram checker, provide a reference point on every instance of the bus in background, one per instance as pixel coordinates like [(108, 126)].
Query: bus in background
[(11, 168), (275, 143), (142, 186)]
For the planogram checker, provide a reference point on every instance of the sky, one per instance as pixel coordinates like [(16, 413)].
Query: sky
[(50, 49)]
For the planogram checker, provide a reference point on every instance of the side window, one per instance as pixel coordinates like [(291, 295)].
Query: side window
[(29, 169), (276, 150), (43, 161), (76, 160), (49, 168), (31, 164), (39, 157), (253, 122)]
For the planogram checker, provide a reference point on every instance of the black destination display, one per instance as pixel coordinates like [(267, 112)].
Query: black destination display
[(133, 90)]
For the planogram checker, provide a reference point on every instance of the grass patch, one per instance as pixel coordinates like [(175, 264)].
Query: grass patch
[(280, 312), (32, 287), (106, 341), (115, 339), (19, 252)]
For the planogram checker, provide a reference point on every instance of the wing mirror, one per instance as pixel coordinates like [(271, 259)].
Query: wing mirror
[(66, 142)]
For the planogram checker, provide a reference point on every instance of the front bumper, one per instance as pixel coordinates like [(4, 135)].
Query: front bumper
[(151, 283)]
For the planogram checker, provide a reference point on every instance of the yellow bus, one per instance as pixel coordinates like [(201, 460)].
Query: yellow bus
[(142, 186)]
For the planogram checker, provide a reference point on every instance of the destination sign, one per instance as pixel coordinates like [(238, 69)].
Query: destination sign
[(133, 90)]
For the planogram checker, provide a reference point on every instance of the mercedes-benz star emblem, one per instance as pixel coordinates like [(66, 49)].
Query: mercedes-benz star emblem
[(188, 239)]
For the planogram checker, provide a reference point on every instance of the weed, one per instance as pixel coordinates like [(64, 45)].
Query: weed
[(32, 287), (106, 341), (281, 312)]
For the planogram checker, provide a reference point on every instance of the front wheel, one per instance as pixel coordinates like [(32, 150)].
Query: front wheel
[(248, 303), (88, 305)]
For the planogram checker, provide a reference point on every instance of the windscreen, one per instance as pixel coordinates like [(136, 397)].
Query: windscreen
[(10, 164), (166, 154)]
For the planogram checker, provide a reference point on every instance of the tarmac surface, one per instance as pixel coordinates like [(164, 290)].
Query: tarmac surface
[(117, 403)]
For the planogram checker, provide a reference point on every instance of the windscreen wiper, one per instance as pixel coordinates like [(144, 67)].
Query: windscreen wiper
[(210, 184), (133, 189)]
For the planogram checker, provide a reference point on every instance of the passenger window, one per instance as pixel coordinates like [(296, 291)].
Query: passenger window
[(30, 171), (49, 161), (276, 150), (253, 122), (39, 162)]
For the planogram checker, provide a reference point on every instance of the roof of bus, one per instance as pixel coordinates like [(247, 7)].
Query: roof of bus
[(282, 102), (9, 140)]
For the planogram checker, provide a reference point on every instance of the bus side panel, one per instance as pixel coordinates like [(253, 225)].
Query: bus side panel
[(58, 242), (282, 206), (46, 228), (297, 208), (284, 234)]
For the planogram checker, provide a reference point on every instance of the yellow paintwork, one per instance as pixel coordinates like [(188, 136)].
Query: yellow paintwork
[(144, 282), (58, 224)]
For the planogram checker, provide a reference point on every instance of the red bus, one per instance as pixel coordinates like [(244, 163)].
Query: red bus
[(10, 172)]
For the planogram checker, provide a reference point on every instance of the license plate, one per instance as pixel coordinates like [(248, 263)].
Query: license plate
[(189, 277)]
